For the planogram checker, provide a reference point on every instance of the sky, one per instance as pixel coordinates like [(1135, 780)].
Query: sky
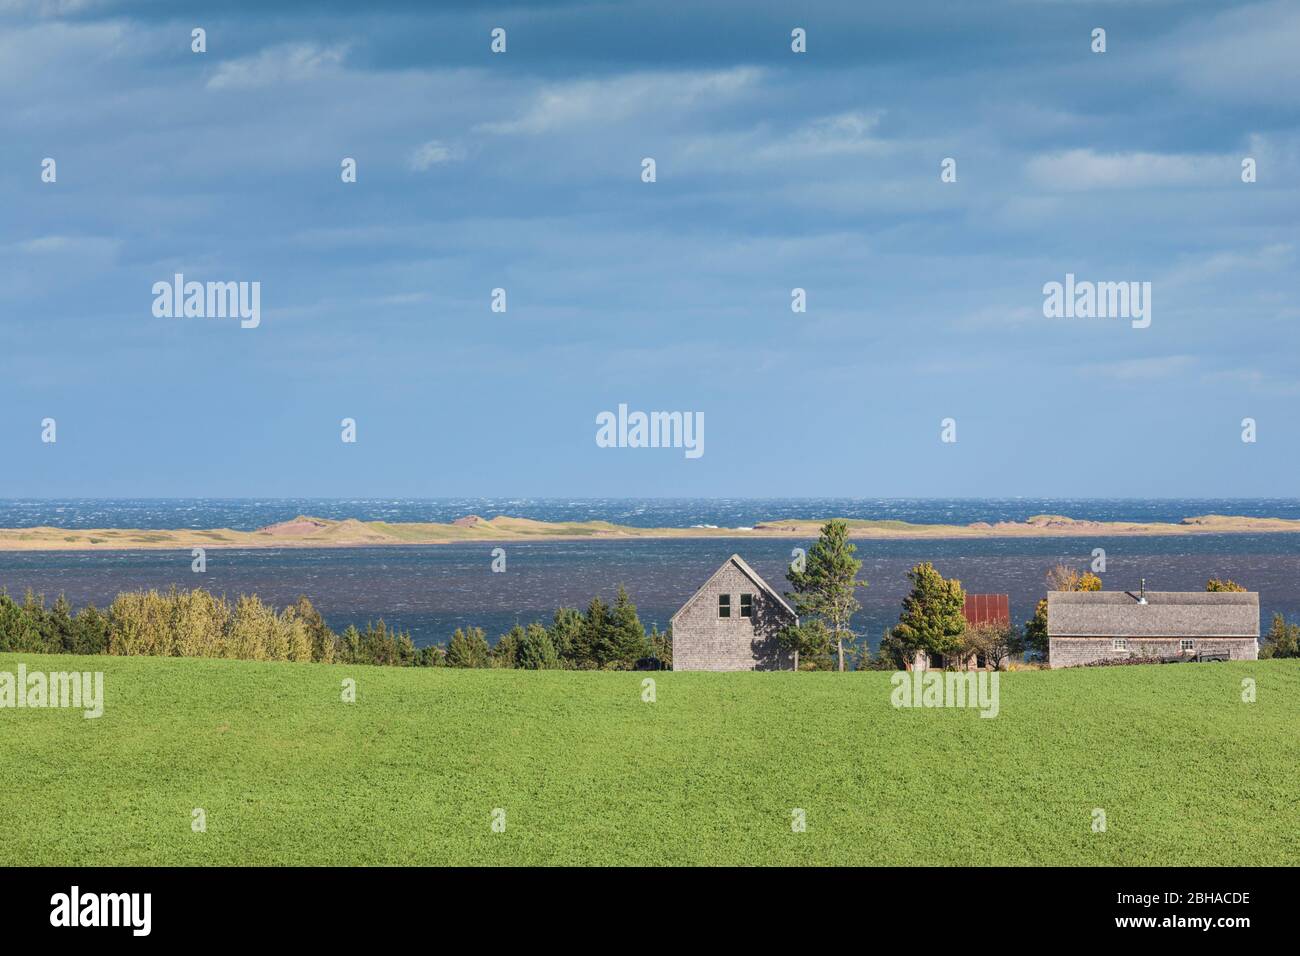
[(774, 170)]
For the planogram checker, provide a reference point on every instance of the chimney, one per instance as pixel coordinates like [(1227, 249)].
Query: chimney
[(1142, 598)]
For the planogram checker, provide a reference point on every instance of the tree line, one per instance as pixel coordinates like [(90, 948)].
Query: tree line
[(932, 622), (198, 623), (823, 588)]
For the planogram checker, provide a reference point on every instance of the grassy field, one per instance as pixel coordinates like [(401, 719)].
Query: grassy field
[(707, 774)]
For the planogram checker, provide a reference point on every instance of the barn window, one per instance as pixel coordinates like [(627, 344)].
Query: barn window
[(724, 605), (747, 605), (1119, 644), (1186, 644)]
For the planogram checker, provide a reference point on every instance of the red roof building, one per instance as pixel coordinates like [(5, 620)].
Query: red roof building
[(987, 609)]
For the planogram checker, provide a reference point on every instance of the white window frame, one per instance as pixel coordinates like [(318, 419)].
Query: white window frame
[(1186, 644), (1119, 643)]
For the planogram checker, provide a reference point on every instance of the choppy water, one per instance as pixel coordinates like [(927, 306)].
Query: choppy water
[(432, 590)]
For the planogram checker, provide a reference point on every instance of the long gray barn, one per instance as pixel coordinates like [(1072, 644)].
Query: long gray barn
[(731, 623), (1088, 626)]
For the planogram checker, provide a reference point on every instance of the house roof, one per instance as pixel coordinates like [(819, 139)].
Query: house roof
[(987, 608), (1166, 614), (750, 573)]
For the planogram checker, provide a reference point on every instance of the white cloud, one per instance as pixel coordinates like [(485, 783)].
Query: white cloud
[(829, 136), (433, 153), (49, 8), (1085, 169), (1255, 381), (1247, 54), (287, 63), (583, 102), (1140, 369), (83, 247), (1212, 268)]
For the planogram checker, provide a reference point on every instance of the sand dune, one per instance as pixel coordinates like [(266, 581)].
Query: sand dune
[(305, 531)]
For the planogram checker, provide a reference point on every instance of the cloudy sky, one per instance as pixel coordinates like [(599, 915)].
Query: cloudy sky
[(775, 170)]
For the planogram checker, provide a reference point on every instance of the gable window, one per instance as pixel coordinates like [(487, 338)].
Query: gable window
[(724, 605), (747, 605), (1119, 644), (1186, 644)]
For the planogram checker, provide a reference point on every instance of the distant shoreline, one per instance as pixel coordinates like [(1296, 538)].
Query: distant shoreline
[(309, 532)]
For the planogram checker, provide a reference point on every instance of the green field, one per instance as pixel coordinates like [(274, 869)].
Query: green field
[(707, 774)]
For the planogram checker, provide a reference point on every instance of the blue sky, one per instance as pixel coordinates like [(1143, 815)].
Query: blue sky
[(775, 170)]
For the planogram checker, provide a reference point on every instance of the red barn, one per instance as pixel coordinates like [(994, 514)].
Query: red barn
[(988, 609), (979, 609)]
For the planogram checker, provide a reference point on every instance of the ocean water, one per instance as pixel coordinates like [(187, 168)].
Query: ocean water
[(431, 590)]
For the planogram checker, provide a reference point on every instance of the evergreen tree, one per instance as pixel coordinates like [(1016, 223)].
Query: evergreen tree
[(90, 631), (506, 653), (537, 651), (826, 586), (468, 648), (350, 646), (809, 643), (661, 646), (566, 632), (18, 632), (593, 647), (627, 640), (60, 631), (1283, 639)]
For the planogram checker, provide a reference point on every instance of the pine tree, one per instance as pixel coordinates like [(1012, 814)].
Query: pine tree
[(566, 632), (809, 643), (592, 647), (826, 586), (506, 653), (661, 646), (468, 648), (1282, 640), (627, 639), (537, 651)]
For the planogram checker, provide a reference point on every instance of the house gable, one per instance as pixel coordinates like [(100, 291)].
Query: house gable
[(746, 637), (710, 587)]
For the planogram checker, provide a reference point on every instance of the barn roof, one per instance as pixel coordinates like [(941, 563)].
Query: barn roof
[(750, 573), (987, 608), (1165, 614)]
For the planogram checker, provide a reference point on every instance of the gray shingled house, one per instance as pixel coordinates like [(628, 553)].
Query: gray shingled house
[(731, 624), (1088, 626)]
